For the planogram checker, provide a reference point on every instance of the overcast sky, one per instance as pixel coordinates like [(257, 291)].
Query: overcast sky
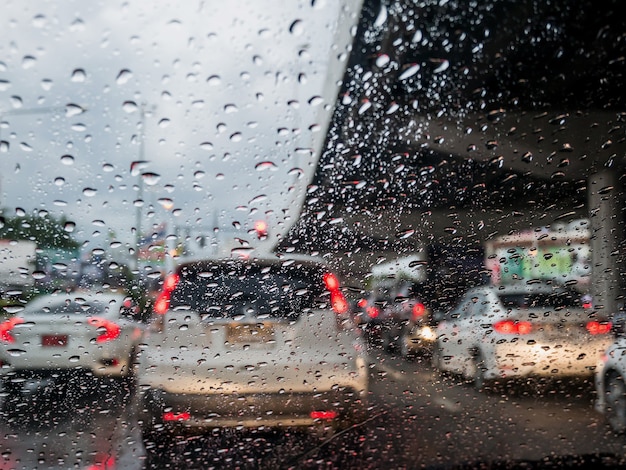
[(236, 98)]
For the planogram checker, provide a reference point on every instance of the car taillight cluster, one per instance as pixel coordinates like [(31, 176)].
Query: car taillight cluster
[(162, 303), (598, 328), (6, 327), (512, 327), (337, 299), (109, 330)]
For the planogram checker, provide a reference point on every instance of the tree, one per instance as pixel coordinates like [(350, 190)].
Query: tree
[(45, 230)]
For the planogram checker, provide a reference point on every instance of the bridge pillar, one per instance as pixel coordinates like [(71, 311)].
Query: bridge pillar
[(607, 234)]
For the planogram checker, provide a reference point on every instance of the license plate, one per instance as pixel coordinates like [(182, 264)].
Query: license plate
[(54, 340), (247, 333)]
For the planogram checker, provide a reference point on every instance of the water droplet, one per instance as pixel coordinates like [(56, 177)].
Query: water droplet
[(236, 137), (67, 160), (150, 179), (4, 146), (74, 359), (443, 66), (89, 192), (382, 17), (409, 72), (107, 167), (137, 166), (214, 80), (59, 181), (206, 146), (46, 84), (16, 102), (39, 275), (199, 104), (199, 174), (20, 212), (267, 165), (163, 123), (129, 106), (4, 85), (69, 226), (382, 60), (316, 100), (296, 28), (123, 76), (25, 147), (72, 109), (230, 108), (367, 104), (28, 62), (14, 308), (78, 75), (259, 198), (39, 21), (405, 233)]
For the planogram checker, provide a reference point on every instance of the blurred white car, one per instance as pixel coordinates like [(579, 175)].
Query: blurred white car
[(610, 379), (523, 330), (251, 343), (65, 332)]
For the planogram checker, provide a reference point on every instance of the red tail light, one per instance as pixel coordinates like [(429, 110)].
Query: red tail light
[(510, 327), (598, 328), (172, 416), (337, 299), (372, 312), (162, 303), (6, 327), (111, 330), (418, 310), (324, 415)]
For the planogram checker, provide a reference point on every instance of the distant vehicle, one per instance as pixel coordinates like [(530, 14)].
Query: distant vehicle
[(251, 343), (395, 317), (610, 378), (522, 330), (60, 334), (17, 264)]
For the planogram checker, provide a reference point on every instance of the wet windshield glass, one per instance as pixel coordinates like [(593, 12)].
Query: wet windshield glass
[(339, 234)]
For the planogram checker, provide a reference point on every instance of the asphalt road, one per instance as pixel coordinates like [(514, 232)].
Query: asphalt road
[(419, 419)]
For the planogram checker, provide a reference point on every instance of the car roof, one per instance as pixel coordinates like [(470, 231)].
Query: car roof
[(87, 296), (529, 288), (264, 259)]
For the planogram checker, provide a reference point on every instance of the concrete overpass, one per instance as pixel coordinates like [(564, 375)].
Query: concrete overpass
[(445, 136)]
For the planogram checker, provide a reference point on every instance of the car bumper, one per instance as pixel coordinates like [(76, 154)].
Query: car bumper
[(513, 360), (161, 409)]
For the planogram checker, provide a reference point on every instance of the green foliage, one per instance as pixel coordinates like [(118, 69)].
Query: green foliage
[(45, 230)]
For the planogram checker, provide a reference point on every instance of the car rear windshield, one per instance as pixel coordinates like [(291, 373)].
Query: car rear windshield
[(250, 290), (552, 300), (71, 307)]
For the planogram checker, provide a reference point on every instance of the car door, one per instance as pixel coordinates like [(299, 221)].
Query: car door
[(453, 335)]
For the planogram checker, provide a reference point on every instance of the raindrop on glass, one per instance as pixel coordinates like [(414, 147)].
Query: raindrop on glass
[(67, 160)]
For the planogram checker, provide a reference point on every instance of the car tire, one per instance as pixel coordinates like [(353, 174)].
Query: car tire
[(615, 412)]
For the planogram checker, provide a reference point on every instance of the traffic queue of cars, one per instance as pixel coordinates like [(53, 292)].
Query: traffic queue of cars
[(271, 341)]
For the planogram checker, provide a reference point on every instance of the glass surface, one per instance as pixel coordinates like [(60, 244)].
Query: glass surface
[(440, 145)]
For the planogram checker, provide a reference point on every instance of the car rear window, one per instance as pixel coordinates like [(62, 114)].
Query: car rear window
[(552, 300), (91, 308), (249, 290)]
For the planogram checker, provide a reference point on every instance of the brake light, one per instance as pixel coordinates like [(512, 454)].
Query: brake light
[(510, 327), (337, 299), (372, 312), (111, 330), (324, 415), (362, 303), (172, 416), (418, 310), (598, 328), (162, 303), (6, 327)]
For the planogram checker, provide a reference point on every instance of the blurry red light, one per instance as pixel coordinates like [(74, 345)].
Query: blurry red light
[(362, 303), (510, 327), (331, 282), (6, 327), (111, 330), (171, 416), (162, 303), (597, 328), (338, 301), (325, 415), (372, 312), (418, 310)]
